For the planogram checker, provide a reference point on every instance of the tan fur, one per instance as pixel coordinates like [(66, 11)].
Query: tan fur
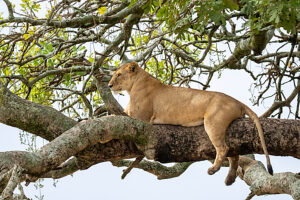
[(157, 103)]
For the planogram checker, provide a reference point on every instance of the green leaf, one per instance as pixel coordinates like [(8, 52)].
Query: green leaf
[(231, 4), (274, 14), (277, 19)]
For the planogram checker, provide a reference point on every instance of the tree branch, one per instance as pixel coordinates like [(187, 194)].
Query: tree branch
[(286, 103), (157, 169), (10, 9), (38, 119), (112, 105), (81, 22), (256, 43), (65, 169), (261, 182), (163, 143)]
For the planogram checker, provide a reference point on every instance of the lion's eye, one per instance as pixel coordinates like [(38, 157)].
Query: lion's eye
[(118, 75)]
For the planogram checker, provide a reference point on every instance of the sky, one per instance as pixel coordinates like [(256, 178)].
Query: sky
[(103, 181)]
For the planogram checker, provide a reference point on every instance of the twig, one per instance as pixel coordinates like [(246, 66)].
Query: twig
[(137, 161), (157, 169), (251, 194), (10, 9), (280, 104)]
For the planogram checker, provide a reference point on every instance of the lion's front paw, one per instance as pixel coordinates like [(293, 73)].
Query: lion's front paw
[(212, 170)]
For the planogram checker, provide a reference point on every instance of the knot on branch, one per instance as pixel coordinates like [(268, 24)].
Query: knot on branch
[(98, 75)]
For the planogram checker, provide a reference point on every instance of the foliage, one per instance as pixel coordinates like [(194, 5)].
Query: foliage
[(49, 49), (182, 15)]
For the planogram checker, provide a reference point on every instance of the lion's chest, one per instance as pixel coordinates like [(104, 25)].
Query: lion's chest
[(140, 108)]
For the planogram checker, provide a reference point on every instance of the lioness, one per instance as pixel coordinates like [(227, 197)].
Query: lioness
[(157, 103)]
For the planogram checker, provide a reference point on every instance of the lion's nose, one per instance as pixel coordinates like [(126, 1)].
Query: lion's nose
[(110, 85)]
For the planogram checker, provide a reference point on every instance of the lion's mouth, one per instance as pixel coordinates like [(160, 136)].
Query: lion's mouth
[(115, 92)]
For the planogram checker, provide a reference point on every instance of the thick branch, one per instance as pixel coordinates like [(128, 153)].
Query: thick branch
[(48, 123), (38, 119), (80, 22), (261, 182), (242, 138), (164, 143)]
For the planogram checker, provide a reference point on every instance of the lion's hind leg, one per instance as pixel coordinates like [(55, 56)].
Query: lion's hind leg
[(216, 135), (221, 150), (233, 165)]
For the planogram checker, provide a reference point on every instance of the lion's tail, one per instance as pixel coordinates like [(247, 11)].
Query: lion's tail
[(255, 119)]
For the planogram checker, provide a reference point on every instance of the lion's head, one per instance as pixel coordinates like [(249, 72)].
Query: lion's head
[(123, 77)]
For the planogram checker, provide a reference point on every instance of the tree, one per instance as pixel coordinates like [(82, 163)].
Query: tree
[(57, 57)]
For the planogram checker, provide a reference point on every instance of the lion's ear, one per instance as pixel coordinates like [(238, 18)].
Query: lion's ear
[(132, 67)]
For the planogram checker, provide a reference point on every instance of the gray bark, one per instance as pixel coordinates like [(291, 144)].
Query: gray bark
[(164, 143)]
